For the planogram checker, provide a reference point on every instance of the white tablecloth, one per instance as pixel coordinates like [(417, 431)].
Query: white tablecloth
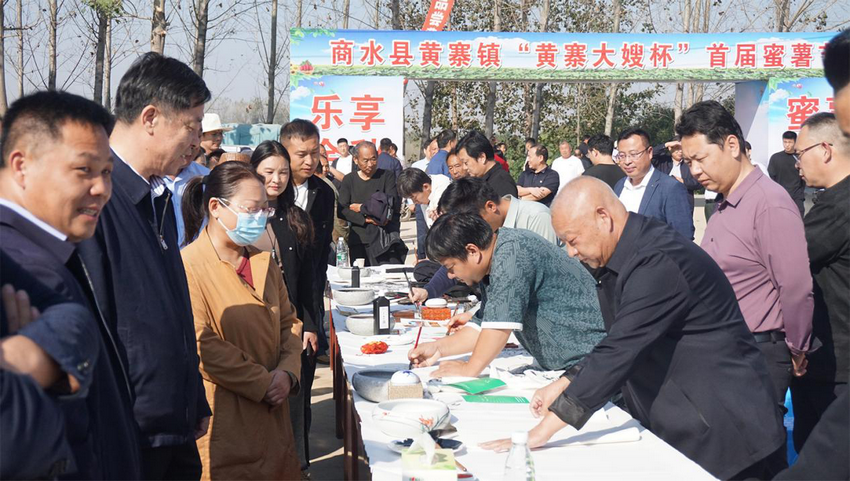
[(648, 457)]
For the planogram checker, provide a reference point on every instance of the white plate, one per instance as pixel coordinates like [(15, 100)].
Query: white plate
[(399, 340)]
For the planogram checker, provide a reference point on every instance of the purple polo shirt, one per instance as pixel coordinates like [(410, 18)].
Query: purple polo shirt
[(756, 236)]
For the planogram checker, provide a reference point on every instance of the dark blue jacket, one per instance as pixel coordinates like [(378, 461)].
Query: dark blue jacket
[(100, 427), (389, 163), (34, 442), (135, 266), (663, 161), (665, 199)]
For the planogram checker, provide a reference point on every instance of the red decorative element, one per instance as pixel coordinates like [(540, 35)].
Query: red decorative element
[(341, 51), (430, 52), (371, 53), (489, 55), (773, 54), (366, 111), (602, 52), (801, 55), (830, 104), (324, 111), (632, 55), (717, 55), (401, 53), (660, 55), (800, 109), (306, 67), (575, 55), (460, 54), (745, 55), (546, 52), (438, 15)]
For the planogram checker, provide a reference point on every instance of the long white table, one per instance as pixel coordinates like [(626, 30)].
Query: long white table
[(564, 458)]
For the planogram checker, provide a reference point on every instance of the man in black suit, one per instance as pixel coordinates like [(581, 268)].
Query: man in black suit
[(135, 265), (677, 345), (54, 182)]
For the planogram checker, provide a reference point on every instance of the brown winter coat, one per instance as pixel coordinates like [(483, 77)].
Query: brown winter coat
[(243, 334)]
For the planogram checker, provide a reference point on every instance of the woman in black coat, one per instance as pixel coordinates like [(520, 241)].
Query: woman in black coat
[(290, 238)]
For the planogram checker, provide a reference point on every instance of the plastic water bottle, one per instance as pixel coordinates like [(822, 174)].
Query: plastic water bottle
[(342, 253), (520, 465)]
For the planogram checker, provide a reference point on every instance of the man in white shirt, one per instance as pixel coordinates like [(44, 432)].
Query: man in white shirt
[(344, 164), (423, 189), (429, 151), (568, 166), (177, 184)]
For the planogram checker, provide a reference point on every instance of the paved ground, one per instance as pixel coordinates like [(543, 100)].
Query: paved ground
[(325, 449)]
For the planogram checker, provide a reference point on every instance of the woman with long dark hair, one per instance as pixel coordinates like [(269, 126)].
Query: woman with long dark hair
[(248, 334), (289, 237)]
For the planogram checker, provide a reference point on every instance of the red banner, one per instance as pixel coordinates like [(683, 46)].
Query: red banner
[(438, 15)]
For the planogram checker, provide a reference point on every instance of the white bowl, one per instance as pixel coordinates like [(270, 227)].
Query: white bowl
[(361, 324), (436, 302), (344, 273), (354, 296), (407, 418)]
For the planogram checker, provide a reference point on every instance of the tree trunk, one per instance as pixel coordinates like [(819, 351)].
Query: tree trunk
[(783, 10), (455, 109), (677, 103), (272, 64), (490, 113), (527, 96), (706, 13), (51, 45), (346, 9), (538, 90), (158, 27), (578, 113), (396, 14), (612, 92), (102, 19), (21, 48), (426, 112), (107, 69), (202, 15), (3, 102), (377, 14), (299, 12)]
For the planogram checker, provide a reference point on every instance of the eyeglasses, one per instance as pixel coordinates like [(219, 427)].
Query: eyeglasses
[(800, 153), (632, 156), (269, 211)]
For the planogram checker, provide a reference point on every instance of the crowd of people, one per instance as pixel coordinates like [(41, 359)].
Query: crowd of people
[(163, 303)]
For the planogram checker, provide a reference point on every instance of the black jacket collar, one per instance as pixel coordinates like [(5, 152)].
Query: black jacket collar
[(38, 236), (628, 243)]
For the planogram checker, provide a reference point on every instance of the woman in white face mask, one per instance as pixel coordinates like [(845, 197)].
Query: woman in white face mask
[(249, 337)]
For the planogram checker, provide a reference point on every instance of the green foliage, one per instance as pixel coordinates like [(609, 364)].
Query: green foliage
[(105, 8)]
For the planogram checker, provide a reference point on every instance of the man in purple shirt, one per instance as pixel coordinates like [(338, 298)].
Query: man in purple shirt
[(756, 237)]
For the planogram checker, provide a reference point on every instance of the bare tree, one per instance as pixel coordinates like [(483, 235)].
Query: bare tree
[(346, 9), (272, 64), (394, 9), (20, 48), (52, 25), (538, 89), (201, 18), (783, 11), (612, 93), (159, 27), (299, 13), (377, 14), (107, 69), (490, 113), (3, 102), (427, 113)]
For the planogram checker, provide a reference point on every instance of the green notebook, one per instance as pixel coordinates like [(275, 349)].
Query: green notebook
[(496, 399), (477, 386)]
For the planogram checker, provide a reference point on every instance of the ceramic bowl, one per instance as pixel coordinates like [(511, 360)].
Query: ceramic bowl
[(372, 384), (344, 273), (407, 418), (361, 324), (354, 296)]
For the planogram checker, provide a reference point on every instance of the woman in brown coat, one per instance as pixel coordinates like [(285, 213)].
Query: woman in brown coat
[(249, 338)]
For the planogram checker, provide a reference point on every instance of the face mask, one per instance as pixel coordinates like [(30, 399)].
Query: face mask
[(249, 227)]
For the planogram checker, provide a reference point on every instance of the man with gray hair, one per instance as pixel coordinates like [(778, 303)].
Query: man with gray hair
[(823, 158), (568, 166), (676, 345)]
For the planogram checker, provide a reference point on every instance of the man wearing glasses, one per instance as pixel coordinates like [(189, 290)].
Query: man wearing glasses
[(756, 237), (648, 191)]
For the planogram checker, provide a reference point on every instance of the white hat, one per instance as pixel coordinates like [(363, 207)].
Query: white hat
[(212, 123)]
